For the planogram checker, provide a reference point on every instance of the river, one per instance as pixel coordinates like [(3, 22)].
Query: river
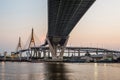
[(59, 71)]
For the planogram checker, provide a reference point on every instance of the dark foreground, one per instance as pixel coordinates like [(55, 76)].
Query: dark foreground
[(59, 71)]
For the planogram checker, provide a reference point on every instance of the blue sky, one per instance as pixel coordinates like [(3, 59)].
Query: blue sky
[(99, 27)]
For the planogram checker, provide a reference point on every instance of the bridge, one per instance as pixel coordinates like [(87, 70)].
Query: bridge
[(43, 52), (63, 15)]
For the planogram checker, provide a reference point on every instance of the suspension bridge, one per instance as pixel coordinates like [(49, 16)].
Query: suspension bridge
[(63, 15)]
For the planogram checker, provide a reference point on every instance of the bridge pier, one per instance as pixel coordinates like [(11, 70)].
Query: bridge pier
[(20, 56), (78, 53), (44, 54), (39, 54), (28, 55), (68, 53), (31, 53), (55, 45), (48, 53), (34, 53)]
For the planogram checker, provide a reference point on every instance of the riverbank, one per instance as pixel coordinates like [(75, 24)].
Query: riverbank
[(64, 61)]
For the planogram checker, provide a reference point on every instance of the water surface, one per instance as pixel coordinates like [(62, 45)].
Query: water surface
[(59, 71)]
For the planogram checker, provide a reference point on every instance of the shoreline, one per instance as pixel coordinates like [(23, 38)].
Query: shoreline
[(43, 61)]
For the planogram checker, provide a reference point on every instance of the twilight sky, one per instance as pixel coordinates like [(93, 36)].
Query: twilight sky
[(99, 27)]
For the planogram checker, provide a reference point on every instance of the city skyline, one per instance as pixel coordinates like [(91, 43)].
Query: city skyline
[(99, 27)]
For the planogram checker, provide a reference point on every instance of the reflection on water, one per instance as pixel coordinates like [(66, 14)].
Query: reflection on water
[(3, 71), (56, 71), (95, 71), (59, 71)]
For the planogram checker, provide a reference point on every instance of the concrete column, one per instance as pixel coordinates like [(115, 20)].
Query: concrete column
[(53, 48), (39, 54), (20, 55), (44, 54), (68, 53), (48, 53), (28, 55), (74, 53), (31, 55), (79, 53)]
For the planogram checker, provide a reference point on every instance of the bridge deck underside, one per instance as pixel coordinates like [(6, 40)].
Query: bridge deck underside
[(63, 15)]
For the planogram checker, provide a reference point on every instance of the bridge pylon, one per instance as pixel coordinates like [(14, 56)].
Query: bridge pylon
[(19, 47), (32, 40), (33, 52)]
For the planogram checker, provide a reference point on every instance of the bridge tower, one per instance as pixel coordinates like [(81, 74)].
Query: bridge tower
[(33, 52), (32, 40), (19, 47)]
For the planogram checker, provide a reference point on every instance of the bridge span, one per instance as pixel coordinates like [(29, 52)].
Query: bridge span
[(44, 52)]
